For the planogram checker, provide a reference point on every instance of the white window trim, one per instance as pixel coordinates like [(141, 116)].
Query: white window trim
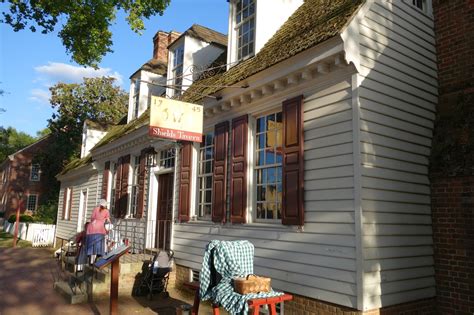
[(68, 206), (252, 215), (427, 7), (136, 98), (36, 202), (177, 91), (31, 172), (198, 179), (131, 171), (235, 27)]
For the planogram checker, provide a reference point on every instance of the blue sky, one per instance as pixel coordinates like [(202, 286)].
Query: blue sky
[(32, 62)]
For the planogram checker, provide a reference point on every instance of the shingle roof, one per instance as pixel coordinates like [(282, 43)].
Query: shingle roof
[(155, 66), (205, 34), (76, 163), (312, 23)]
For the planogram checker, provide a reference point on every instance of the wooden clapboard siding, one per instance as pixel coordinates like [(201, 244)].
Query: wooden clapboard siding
[(66, 229), (319, 262), (397, 96)]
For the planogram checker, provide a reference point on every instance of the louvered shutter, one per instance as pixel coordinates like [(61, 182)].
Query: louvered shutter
[(238, 170), (118, 192), (185, 181), (124, 185), (293, 162), (221, 138), (105, 180), (141, 183)]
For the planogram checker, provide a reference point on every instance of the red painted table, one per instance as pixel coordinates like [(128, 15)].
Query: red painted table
[(254, 304)]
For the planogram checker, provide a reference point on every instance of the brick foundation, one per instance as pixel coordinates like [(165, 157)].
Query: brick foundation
[(453, 236), (301, 305)]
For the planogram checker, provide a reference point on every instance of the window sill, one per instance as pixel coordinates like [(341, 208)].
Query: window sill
[(252, 225)]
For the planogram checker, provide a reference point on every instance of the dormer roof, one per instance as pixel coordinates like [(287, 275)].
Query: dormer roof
[(314, 22), (154, 66), (204, 34)]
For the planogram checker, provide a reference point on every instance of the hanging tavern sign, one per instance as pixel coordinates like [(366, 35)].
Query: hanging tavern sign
[(175, 120)]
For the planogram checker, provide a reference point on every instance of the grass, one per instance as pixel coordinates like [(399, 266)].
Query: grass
[(6, 240)]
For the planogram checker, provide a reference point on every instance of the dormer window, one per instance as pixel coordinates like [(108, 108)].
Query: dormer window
[(177, 72), (245, 28), (136, 98)]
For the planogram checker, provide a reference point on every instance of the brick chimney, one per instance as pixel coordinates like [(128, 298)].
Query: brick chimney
[(161, 40)]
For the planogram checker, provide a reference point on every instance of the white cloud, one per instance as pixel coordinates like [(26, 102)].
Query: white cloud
[(55, 72), (40, 95)]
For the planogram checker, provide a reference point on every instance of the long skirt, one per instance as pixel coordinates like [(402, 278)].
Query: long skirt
[(95, 244), (82, 255)]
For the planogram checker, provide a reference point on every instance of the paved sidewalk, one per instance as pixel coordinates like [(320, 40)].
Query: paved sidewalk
[(26, 288)]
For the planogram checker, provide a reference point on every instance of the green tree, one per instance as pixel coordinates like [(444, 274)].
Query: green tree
[(85, 31), (43, 132), (97, 99), (12, 140)]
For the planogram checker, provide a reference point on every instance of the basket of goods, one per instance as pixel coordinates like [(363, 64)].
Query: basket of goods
[(252, 284)]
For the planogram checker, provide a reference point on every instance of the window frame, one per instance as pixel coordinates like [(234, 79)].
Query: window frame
[(254, 168), (113, 172), (133, 187), (33, 165), (236, 29), (28, 202), (201, 176), (67, 207), (177, 82), (136, 98)]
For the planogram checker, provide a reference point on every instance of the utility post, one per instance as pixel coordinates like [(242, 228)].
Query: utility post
[(19, 195)]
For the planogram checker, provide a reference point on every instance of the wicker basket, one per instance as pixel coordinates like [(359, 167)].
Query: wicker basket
[(252, 284)]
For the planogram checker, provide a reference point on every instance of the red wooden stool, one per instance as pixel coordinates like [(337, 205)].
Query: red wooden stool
[(255, 303)]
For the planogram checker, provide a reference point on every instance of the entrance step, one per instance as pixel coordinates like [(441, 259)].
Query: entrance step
[(73, 296)]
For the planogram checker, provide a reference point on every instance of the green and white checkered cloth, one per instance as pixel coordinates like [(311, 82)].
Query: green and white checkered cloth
[(230, 259)]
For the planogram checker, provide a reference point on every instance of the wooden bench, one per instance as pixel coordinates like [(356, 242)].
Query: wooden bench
[(254, 304)]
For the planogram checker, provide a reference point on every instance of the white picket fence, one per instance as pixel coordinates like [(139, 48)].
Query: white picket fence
[(40, 235)]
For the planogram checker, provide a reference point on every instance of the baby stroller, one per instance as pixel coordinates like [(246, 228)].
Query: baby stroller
[(155, 275)]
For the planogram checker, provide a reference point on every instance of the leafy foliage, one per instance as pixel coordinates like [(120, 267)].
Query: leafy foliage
[(47, 213), (97, 99), (12, 140), (86, 25), (23, 218)]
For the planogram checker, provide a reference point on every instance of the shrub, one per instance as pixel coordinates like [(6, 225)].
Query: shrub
[(23, 218), (47, 213)]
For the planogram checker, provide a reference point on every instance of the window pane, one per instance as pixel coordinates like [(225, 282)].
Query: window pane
[(261, 141), (269, 156), (208, 183), (208, 196)]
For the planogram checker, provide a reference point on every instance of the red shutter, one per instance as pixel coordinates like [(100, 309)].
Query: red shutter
[(238, 170), (293, 162), (185, 181), (124, 185), (105, 180), (70, 205), (64, 202), (221, 138), (141, 183), (118, 183)]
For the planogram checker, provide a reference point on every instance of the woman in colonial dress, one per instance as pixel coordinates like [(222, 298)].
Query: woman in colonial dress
[(95, 239)]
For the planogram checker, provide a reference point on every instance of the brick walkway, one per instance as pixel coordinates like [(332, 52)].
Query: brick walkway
[(26, 287)]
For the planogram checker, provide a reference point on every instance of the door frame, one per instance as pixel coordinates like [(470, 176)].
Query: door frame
[(153, 205)]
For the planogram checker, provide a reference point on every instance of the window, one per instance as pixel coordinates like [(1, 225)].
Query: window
[(205, 172), (113, 188), (177, 72), (136, 98), (67, 202), (167, 158), (134, 200), (245, 28), (31, 202), (35, 172), (268, 167)]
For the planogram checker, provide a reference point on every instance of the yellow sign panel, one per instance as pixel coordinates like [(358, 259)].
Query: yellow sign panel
[(174, 119)]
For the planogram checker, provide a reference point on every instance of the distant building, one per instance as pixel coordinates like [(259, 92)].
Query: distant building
[(21, 178)]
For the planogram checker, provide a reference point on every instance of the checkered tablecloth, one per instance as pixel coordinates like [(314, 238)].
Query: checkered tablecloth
[(230, 259)]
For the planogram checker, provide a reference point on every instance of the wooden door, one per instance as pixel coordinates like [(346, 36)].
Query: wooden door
[(164, 211)]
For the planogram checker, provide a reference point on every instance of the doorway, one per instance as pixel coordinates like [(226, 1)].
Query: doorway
[(164, 211)]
